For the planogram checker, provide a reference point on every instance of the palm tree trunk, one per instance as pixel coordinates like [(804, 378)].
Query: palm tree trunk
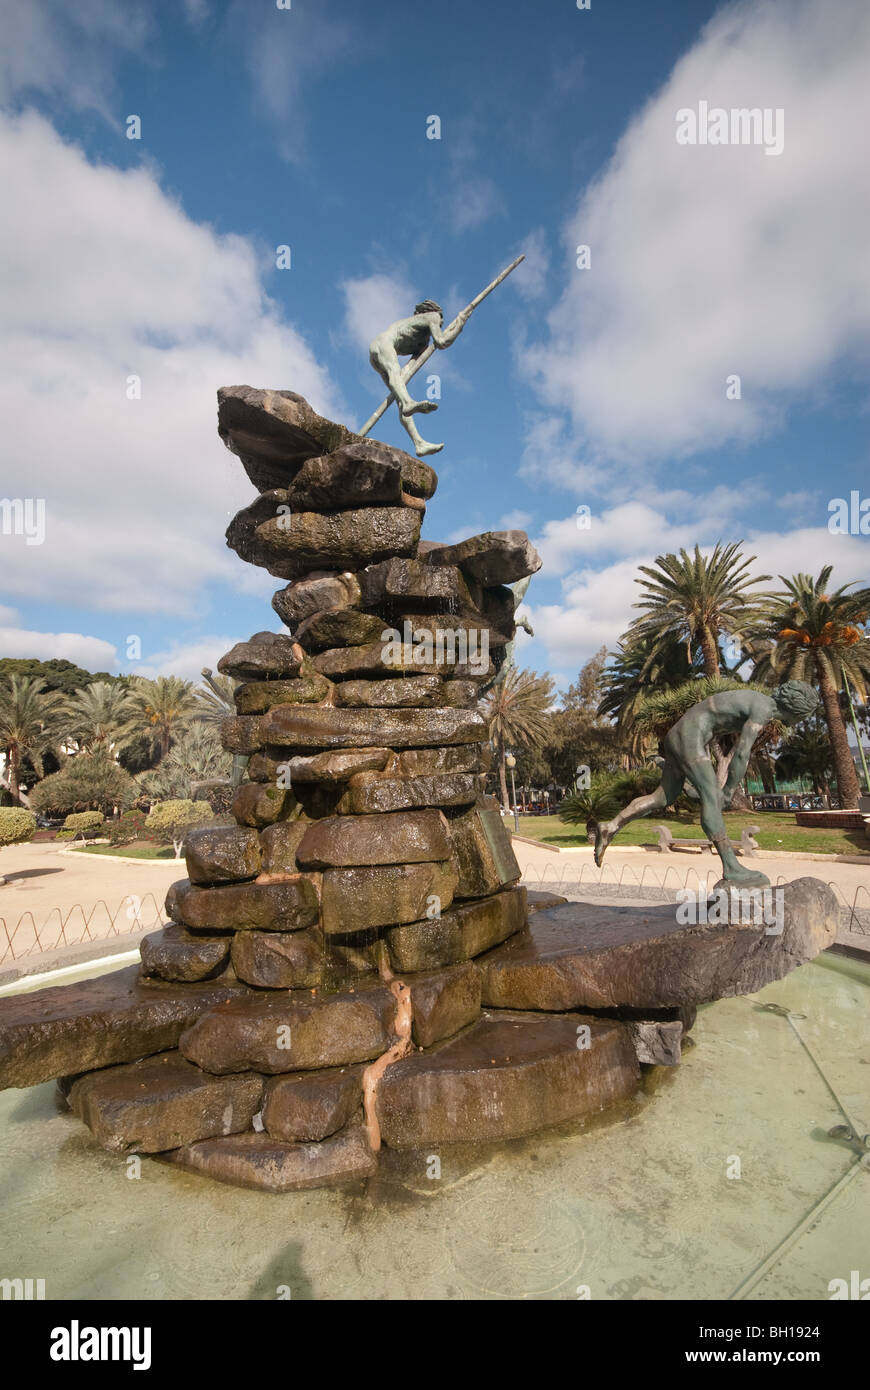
[(502, 777), (710, 651), (14, 755), (847, 780)]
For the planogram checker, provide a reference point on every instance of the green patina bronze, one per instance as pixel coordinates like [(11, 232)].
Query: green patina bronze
[(687, 764)]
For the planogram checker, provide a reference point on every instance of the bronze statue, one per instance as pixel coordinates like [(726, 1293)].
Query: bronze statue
[(687, 764)]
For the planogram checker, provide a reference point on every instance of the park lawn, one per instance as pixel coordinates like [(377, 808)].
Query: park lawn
[(148, 849), (777, 832)]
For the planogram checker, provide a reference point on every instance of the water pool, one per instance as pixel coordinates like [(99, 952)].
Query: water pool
[(639, 1207)]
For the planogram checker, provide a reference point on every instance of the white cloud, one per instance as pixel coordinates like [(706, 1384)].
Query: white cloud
[(597, 602), (68, 51), (713, 260), (103, 277), (530, 278), (91, 652), (473, 201), (516, 520), (185, 659), (371, 303)]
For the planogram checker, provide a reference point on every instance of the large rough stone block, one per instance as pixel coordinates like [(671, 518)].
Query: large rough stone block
[(95, 1023), (316, 593), (344, 627), (161, 1103), (177, 954), (255, 697), (241, 734), (278, 960), (274, 432), (290, 544), (338, 767), (507, 1076), (258, 804), (287, 906), (464, 932), (443, 1002), (265, 656), (412, 692), (360, 475), (221, 854), (279, 843), (317, 727), (414, 582), (271, 1165), (359, 899), (426, 762), (588, 956), (483, 850), (393, 657), (313, 1105), (340, 841), (275, 1033), (371, 793), (496, 557)]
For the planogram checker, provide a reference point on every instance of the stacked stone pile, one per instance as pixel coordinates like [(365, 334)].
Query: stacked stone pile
[(351, 963)]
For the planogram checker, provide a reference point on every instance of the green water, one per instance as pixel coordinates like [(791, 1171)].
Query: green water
[(640, 1207)]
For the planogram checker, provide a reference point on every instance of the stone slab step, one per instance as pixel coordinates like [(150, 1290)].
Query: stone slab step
[(594, 956), (271, 1165), (508, 1075), (95, 1023)]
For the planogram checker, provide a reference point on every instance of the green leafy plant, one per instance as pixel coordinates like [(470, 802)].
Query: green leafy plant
[(171, 820)]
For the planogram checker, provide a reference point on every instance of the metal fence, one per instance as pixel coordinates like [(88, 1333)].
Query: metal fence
[(78, 924)]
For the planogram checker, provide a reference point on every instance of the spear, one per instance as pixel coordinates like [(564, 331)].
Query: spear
[(413, 367)]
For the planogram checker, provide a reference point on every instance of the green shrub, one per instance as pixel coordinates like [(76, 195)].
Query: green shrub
[(86, 780), (170, 820), (16, 825), (84, 821), (130, 826)]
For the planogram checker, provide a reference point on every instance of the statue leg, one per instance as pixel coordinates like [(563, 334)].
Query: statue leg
[(702, 775), (386, 364), (665, 793)]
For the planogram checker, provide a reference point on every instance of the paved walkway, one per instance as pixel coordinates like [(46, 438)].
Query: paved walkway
[(53, 899)]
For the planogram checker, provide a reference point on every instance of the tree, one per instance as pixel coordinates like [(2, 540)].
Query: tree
[(214, 697), (806, 633), (808, 753), (578, 736), (31, 725), (57, 674), (196, 757), (637, 668), (173, 819), (16, 826), (87, 782), (163, 707), (102, 715), (696, 599), (516, 711)]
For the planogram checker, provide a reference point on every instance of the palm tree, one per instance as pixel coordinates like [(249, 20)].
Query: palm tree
[(636, 669), (196, 756), (808, 753), (32, 723), (214, 697), (806, 633), (163, 708), (517, 713), (696, 599), (103, 716)]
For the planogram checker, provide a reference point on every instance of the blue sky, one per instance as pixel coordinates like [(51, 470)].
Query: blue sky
[(603, 387)]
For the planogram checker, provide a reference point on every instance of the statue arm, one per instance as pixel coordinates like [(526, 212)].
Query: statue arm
[(450, 334), (740, 759)]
